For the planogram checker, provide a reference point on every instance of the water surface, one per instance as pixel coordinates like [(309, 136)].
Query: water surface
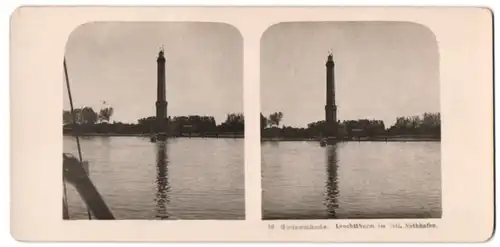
[(186, 178), (302, 180)]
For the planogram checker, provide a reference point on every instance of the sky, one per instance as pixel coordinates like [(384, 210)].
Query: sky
[(382, 70), (115, 62)]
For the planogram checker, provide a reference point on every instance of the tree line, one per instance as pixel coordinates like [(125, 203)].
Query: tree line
[(427, 124), (89, 120), (87, 115)]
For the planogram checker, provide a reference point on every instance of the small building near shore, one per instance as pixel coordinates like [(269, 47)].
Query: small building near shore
[(358, 133)]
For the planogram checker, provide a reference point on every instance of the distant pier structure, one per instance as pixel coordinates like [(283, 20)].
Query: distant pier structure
[(161, 102), (331, 129)]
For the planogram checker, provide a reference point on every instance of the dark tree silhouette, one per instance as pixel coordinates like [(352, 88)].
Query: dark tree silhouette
[(105, 114), (235, 122), (85, 115), (275, 119), (263, 122)]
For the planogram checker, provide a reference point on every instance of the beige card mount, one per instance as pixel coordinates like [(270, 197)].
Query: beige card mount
[(318, 124)]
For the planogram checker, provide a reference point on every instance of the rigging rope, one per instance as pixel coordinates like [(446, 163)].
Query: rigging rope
[(74, 129)]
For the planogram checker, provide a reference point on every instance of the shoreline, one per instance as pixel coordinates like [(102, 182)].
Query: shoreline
[(149, 135), (271, 139), (389, 139)]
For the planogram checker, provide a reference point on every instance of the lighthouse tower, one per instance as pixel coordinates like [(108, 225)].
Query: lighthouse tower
[(161, 102), (330, 107)]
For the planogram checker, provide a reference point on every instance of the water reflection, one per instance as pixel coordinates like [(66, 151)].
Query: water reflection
[(331, 186), (162, 186)]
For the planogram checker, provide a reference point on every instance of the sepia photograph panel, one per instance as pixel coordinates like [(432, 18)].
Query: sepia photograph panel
[(153, 122), (350, 121)]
